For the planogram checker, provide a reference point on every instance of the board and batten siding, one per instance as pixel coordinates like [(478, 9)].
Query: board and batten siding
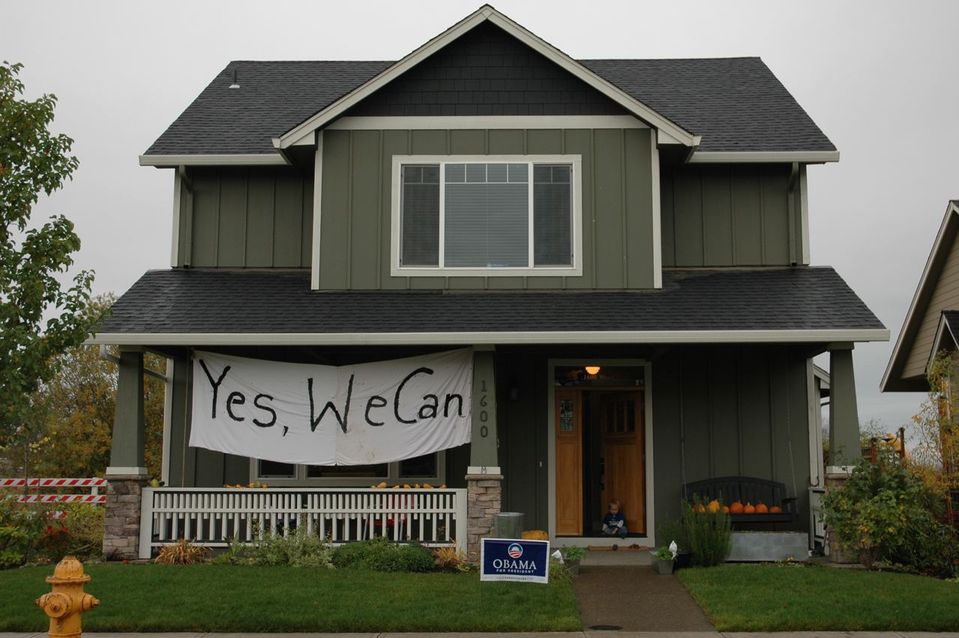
[(250, 217), (945, 296), (730, 215), (617, 204), (730, 411)]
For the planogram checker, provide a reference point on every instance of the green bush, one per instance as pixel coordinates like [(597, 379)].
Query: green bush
[(707, 535), (381, 555), (22, 529), (299, 549), (672, 529), (886, 513)]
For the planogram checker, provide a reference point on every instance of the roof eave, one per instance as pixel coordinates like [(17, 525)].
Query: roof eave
[(763, 157), (483, 14), (214, 159), (456, 338)]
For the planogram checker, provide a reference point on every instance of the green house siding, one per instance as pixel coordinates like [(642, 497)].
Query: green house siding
[(730, 215), (617, 204), (717, 411), (257, 217)]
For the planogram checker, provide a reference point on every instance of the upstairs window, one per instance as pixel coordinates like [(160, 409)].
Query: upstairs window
[(511, 216)]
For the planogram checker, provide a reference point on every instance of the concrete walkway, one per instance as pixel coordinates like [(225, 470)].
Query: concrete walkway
[(633, 597)]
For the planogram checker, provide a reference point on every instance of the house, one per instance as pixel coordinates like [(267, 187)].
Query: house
[(622, 246), (931, 328), (931, 325)]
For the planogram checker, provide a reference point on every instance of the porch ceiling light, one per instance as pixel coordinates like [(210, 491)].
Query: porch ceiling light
[(592, 370)]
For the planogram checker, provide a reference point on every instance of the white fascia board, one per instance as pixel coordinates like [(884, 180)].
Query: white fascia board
[(762, 157), (468, 338), (251, 159), (481, 15), (951, 210), (456, 122)]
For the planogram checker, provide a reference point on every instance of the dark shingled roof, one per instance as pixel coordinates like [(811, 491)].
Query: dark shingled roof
[(236, 301), (735, 104)]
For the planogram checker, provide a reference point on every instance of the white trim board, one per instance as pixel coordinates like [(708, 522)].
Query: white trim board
[(456, 338), (483, 14), (317, 212), (951, 209), (763, 157), (232, 159), (475, 122)]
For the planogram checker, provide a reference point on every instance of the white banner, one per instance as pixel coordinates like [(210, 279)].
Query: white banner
[(332, 415)]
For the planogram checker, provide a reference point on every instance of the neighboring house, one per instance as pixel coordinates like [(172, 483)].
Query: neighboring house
[(650, 219), (932, 322)]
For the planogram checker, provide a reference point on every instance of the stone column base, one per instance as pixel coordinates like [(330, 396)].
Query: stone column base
[(836, 477), (121, 525), (484, 500)]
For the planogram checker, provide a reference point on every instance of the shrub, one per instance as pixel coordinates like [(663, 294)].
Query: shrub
[(22, 528), (448, 558), (670, 530), (573, 553), (380, 555), (298, 549), (884, 512), (183, 552), (85, 524), (707, 535)]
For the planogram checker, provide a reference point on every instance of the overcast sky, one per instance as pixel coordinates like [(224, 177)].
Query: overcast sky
[(880, 78)]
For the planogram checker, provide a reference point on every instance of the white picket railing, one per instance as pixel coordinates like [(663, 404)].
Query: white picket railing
[(214, 517), (817, 528)]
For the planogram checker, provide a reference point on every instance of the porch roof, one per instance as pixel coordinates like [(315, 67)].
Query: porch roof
[(224, 307)]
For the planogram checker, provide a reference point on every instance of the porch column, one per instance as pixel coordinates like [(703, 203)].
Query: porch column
[(843, 413), (483, 478), (127, 473), (844, 447)]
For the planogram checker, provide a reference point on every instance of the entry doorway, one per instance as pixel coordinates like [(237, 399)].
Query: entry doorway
[(600, 440)]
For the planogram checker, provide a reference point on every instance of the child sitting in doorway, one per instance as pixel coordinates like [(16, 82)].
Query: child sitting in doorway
[(614, 523)]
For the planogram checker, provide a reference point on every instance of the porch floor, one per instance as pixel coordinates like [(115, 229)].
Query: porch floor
[(633, 597)]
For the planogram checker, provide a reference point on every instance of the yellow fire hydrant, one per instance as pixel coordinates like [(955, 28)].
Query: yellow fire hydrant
[(67, 601)]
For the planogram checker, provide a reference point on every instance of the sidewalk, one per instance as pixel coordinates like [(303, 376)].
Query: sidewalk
[(571, 634)]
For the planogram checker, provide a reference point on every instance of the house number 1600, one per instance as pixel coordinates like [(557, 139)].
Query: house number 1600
[(483, 415)]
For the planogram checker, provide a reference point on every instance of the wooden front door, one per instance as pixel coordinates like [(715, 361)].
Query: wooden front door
[(620, 417), (569, 462)]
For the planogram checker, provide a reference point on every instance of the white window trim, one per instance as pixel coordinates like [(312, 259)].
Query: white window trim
[(576, 270)]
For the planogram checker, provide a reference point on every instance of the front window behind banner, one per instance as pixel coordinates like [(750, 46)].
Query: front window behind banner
[(429, 468)]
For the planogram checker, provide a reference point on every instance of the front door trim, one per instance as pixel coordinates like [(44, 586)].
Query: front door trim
[(552, 364)]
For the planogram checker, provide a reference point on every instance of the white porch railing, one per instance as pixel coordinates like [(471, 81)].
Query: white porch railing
[(215, 516), (817, 529)]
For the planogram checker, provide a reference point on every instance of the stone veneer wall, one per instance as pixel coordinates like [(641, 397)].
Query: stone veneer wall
[(484, 500), (121, 525)]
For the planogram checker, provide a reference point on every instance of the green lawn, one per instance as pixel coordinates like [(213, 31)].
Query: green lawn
[(227, 598), (796, 598)]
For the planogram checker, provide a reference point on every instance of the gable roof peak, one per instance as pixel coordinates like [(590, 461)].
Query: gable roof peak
[(486, 13)]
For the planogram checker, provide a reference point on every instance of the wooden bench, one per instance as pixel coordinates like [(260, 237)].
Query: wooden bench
[(745, 489)]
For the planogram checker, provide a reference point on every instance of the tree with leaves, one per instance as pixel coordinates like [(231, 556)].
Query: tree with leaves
[(39, 317)]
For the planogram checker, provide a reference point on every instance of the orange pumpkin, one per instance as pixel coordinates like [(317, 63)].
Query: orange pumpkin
[(775, 509), (749, 509), (761, 508), (713, 506), (699, 508), (736, 508), (725, 509)]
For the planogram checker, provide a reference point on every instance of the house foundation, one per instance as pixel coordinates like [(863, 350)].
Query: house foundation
[(484, 501), (121, 525)]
